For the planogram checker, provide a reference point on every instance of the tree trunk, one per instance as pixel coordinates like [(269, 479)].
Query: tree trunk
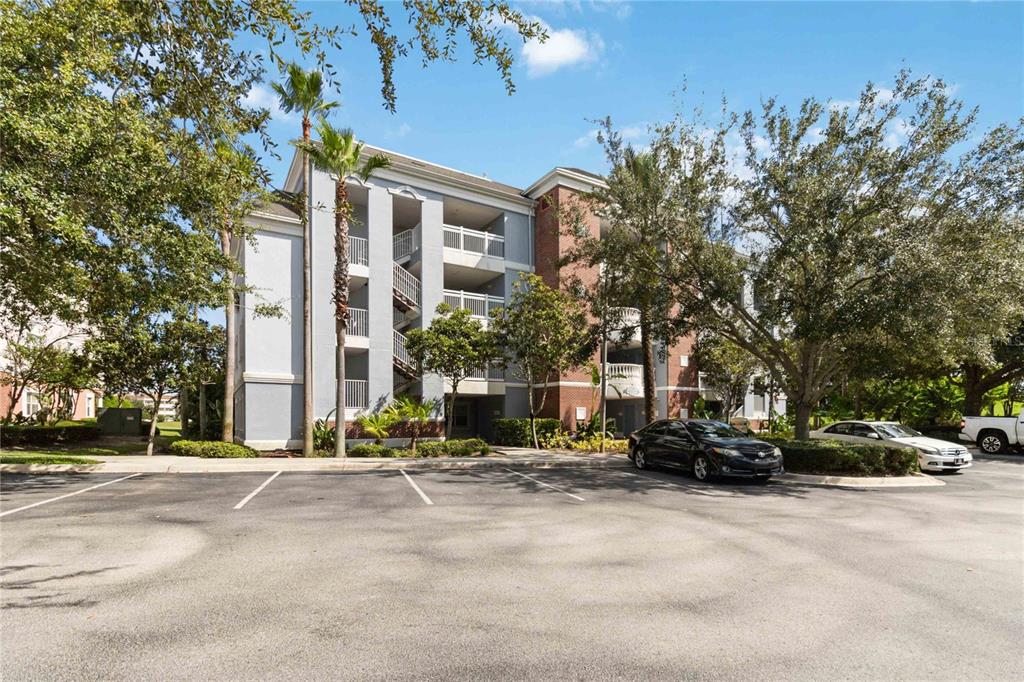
[(974, 390), (202, 411), (341, 209), (647, 344), (802, 427), (449, 417), (307, 304), (183, 409), (152, 424), (533, 423), (227, 433)]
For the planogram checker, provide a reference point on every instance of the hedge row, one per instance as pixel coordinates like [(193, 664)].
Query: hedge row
[(469, 447), (848, 459), (26, 434), (210, 449), (516, 432)]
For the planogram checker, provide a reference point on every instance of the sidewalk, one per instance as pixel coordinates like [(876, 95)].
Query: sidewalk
[(170, 464)]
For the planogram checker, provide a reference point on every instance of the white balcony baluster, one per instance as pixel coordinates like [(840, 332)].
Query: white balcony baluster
[(356, 393), (358, 251), (358, 322), (474, 241)]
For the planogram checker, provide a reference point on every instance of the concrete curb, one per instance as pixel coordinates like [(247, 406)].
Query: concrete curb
[(914, 481), (185, 465)]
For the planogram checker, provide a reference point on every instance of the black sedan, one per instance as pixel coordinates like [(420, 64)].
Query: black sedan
[(705, 447)]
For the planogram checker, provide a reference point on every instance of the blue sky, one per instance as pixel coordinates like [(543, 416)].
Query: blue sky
[(625, 60)]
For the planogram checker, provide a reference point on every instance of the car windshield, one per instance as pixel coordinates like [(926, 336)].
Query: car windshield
[(896, 431), (714, 430)]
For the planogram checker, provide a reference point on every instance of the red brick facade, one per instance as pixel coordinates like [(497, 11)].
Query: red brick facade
[(551, 244)]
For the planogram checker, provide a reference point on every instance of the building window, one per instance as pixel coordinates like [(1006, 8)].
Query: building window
[(758, 403), (684, 413), (90, 406), (461, 415), (32, 404), (684, 360)]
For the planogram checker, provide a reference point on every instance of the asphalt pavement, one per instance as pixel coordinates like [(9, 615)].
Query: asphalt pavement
[(508, 574)]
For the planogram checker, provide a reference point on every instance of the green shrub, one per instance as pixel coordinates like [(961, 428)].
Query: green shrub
[(516, 432), (370, 450), (846, 459), (32, 434), (210, 449), (468, 447)]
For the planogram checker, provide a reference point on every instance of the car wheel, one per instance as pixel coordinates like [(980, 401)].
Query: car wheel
[(992, 442), (702, 468), (640, 458)]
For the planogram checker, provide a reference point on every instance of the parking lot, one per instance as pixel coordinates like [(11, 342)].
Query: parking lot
[(531, 573)]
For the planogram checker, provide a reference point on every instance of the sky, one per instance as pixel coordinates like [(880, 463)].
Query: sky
[(628, 60)]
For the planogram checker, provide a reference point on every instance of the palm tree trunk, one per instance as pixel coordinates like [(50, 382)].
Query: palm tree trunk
[(341, 209), (307, 304), (647, 344), (228, 425)]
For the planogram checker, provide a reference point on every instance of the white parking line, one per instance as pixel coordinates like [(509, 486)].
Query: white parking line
[(256, 492), (416, 487), (575, 497), (77, 492)]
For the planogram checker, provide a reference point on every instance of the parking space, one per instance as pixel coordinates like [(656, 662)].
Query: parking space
[(509, 573)]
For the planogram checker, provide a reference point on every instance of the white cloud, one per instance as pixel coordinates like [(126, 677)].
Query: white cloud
[(260, 97), (401, 131), (620, 9), (632, 132), (564, 47)]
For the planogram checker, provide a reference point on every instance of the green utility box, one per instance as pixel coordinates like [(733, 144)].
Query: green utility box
[(120, 421)]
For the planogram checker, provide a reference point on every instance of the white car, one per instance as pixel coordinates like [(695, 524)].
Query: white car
[(933, 454)]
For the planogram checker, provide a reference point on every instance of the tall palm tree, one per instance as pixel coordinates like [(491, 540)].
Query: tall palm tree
[(338, 153), (302, 92)]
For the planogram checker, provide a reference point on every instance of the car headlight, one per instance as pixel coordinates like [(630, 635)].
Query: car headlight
[(726, 452), (777, 452)]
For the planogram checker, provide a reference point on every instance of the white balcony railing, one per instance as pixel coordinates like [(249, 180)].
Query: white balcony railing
[(358, 322), (474, 241), (491, 373), (478, 305), (406, 284), (401, 354), (356, 393), (358, 251), (624, 318), (625, 380), (404, 243)]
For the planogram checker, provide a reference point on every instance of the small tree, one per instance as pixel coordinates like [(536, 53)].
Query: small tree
[(146, 356), (453, 347), (726, 369), (543, 334), (415, 413), (377, 425)]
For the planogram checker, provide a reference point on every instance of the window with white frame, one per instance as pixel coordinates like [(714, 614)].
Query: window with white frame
[(31, 405), (684, 360), (90, 406)]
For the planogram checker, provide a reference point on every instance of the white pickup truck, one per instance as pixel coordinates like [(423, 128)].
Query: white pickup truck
[(994, 434)]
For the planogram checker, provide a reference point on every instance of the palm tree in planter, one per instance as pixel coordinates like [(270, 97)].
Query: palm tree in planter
[(415, 413), (302, 92), (339, 154), (377, 425)]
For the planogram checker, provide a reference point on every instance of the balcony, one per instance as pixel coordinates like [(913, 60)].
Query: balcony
[(403, 244), (358, 329), (478, 305), (358, 261), (485, 381), (625, 381), (357, 394), (626, 326), (472, 257)]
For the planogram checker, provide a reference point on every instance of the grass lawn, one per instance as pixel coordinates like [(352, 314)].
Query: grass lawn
[(31, 457)]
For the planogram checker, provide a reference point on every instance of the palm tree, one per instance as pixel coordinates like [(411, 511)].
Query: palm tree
[(377, 425), (338, 153), (303, 92), (415, 413)]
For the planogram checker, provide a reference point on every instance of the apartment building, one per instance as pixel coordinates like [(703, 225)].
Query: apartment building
[(423, 234)]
